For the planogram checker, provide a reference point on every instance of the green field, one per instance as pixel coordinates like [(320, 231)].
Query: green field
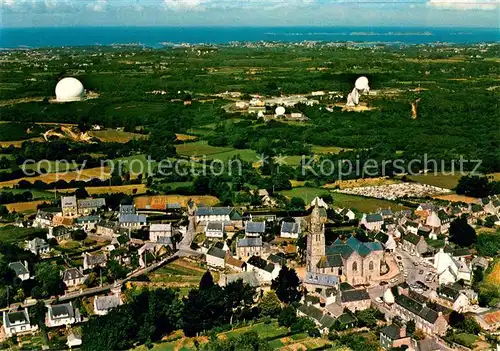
[(439, 180), (13, 234), (200, 148), (359, 203), (37, 194)]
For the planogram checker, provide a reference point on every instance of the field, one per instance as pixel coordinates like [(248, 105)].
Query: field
[(160, 201), (328, 149), (274, 334), (200, 148), (457, 198), (29, 206), (131, 189), (85, 174), (17, 143), (439, 180), (37, 194), (178, 274), (115, 136), (359, 203), (15, 234), (494, 275), (353, 183)]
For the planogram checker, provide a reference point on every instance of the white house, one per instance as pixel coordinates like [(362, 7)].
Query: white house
[(255, 229), (17, 323), (92, 261), (20, 269), (347, 213), (38, 246), (264, 270), (157, 231), (62, 315), (43, 219), (103, 304), (372, 222), (449, 269), (290, 230), (216, 257), (69, 206), (73, 277), (214, 230), (213, 214)]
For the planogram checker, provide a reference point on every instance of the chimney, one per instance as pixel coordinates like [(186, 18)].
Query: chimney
[(402, 331), (440, 314)]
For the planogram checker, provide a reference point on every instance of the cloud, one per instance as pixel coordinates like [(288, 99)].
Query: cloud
[(97, 6), (464, 4), (188, 5)]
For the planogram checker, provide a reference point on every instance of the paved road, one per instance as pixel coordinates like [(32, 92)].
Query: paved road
[(417, 269), (184, 246)]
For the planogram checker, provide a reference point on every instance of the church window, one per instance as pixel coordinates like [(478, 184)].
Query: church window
[(355, 266), (370, 266)]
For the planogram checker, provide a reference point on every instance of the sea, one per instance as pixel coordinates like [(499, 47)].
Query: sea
[(156, 37)]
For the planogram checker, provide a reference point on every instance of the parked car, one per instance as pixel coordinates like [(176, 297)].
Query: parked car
[(383, 282)]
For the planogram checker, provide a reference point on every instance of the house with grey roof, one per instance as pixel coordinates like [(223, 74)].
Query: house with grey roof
[(394, 336), (226, 215), (59, 232), (17, 322), (87, 223), (430, 321), (266, 271), (127, 209), (214, 230), (89, 206), (62, 315), (20, 269), (255, 229), (216, 257), (132, 221), (323, 321), (354, 299), (249, 278), (91, 261), (103, 304), (290, 230), (159, 231), (372, 221), (38, 246), (43, 219), (73, 277), (248, 247), (414, 244)]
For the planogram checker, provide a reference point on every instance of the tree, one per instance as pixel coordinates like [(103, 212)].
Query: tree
[(488, 244), (456, 320), (78, 235), (287, 316), (115, 270), (296, 204), (81, 193), (270, 304), (410, 327), (248, 341), (207, 281), (287, 285), (366, 318), (48, 277), (37, 317), (239, 297), (461, 233)]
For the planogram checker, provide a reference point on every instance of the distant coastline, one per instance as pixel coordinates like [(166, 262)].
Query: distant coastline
[(154, 36)]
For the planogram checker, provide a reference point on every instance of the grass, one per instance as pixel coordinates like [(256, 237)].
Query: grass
[(200, 148), (14, 234), (494, 276), (439, 180), (37, 194), (328, 149), (359, 203), (51, 166), (466, 339), (115, 136)]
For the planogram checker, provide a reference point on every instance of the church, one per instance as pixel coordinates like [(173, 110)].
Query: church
[(350, 261)]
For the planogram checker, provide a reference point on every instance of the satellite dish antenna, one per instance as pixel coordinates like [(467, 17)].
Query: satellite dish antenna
[(280, 111), (362, 84)]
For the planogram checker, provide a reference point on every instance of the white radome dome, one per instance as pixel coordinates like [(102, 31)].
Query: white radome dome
[(69, 89), (362, 83)]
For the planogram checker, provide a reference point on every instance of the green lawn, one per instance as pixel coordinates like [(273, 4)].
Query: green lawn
[(200, 148), (13, 234), (439, 180), (359, 203), (51, 166), (37, 194), (327, 149), (466, 339)]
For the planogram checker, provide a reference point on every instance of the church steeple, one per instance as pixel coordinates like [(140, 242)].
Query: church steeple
[(315, 240)]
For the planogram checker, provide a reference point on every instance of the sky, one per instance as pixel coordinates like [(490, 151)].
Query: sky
[(362, 13)]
